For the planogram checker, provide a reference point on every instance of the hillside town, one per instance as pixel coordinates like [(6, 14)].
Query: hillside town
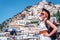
[(25, 23)]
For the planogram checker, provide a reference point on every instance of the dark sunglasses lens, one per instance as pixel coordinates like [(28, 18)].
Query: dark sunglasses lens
[(42, 13)]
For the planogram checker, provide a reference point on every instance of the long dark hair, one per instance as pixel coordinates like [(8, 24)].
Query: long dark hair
[(47, 12)]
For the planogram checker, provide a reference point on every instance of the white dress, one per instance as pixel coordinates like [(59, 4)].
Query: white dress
[(41, 28)]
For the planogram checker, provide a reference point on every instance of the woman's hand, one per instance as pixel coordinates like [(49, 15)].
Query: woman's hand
[(47, 35)]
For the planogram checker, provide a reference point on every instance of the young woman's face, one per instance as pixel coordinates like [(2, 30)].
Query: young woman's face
[(43, 15)]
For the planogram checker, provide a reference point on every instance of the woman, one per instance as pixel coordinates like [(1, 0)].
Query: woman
[(44, 17)]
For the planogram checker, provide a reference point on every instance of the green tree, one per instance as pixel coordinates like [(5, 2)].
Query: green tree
[(57, 15)]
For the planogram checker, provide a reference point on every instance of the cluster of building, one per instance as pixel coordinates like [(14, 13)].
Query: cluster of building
[(31, 12), (28, 20)]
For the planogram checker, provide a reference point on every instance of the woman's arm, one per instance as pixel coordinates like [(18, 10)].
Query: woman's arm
[(52, 26)]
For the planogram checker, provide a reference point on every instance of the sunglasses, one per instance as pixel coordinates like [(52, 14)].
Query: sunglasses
[(42, 14)]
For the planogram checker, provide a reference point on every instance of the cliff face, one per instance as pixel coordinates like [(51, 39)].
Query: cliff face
[(30, 12)]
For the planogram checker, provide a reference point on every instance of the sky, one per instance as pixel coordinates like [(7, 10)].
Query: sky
[(9, 8)]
